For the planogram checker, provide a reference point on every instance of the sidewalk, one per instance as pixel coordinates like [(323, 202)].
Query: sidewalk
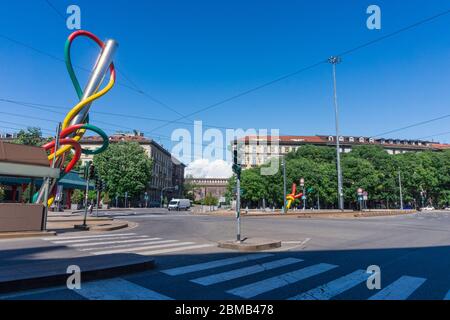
[(34, 267), (64, 222)]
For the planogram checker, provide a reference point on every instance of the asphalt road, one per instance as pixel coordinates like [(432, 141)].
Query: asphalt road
[(319, 258)]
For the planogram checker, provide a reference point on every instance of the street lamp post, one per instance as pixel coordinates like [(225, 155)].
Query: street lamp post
[(302, 184), (283, 164), (334, 61), (400, 189)]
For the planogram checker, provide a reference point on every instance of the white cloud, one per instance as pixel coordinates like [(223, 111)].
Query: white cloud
[(205, 168)]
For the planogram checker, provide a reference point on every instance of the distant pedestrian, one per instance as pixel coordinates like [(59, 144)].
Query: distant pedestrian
[(91, 208)]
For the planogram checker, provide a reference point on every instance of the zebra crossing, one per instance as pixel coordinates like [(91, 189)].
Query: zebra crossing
[(125, 243), (399, 289)]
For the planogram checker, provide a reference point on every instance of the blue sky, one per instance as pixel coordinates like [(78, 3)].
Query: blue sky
[(191, 54)]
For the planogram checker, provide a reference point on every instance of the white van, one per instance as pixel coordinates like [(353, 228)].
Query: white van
[(179, 204)]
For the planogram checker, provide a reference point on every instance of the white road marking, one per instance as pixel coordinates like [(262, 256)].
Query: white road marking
[(257, 288), (117, 289), (141, 248), (400, 289), (111, 242), (447, 296), (215, 264), (335, 287), (129, 245), (90, 240), (93, 236), (199, 246), (243, 272)]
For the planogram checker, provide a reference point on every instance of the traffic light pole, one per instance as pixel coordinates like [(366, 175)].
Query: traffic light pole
[(98, 199), (238, 207), (86, 197)]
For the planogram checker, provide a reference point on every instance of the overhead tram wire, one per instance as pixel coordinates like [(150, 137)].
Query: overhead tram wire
[(343, 53), (109, 129), (122, 115), (411, 126)]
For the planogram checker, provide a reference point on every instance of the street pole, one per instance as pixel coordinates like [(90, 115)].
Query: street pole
[(283, 163), (400, 189), (98, 200), (334, 61), (48, 180), (238, 208), (88, 164)]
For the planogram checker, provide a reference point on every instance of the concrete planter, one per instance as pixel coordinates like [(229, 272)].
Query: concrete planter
[(21, 217)]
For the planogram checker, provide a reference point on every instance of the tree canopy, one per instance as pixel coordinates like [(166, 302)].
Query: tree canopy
[(32, 136), (367, 167), (125, 167)]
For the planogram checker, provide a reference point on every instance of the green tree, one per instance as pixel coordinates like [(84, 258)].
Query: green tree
[(125, 167), (189, 188), (2, 193), (210, 200), (77, 196), (31, 136)]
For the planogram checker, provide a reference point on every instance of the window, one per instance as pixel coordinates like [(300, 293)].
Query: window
[(362, 140), (351, 139), (330, 138)]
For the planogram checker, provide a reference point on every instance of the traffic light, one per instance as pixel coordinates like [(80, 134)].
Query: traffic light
[(91, 172), (98, 184), (103, 185), (236, 167)]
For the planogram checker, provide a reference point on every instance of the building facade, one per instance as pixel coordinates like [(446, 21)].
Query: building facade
[(217, 187), (256, 150), (167, 171)]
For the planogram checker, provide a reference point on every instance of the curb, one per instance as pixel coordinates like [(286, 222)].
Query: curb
[(26, 234), (111, 227), (60, 279), (252, 245)]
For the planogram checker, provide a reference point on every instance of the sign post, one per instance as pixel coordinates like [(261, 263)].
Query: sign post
[(360, 197)]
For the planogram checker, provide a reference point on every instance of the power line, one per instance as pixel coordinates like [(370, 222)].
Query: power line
[(122, 115), (412, 125), (110, 129), (346, 52), (56, 10), (434, 135)]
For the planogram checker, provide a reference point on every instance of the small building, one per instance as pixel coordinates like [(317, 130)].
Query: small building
[(17, 162)]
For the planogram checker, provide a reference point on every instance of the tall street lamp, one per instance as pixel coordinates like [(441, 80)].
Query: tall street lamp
[(334, 61), (283, 164)]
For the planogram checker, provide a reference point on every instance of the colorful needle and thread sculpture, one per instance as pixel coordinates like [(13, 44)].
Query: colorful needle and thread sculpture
[(292, 196), (76, 122)]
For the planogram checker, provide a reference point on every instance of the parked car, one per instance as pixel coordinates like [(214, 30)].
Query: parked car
[(427, 208), (447, 209), (179, 204)]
